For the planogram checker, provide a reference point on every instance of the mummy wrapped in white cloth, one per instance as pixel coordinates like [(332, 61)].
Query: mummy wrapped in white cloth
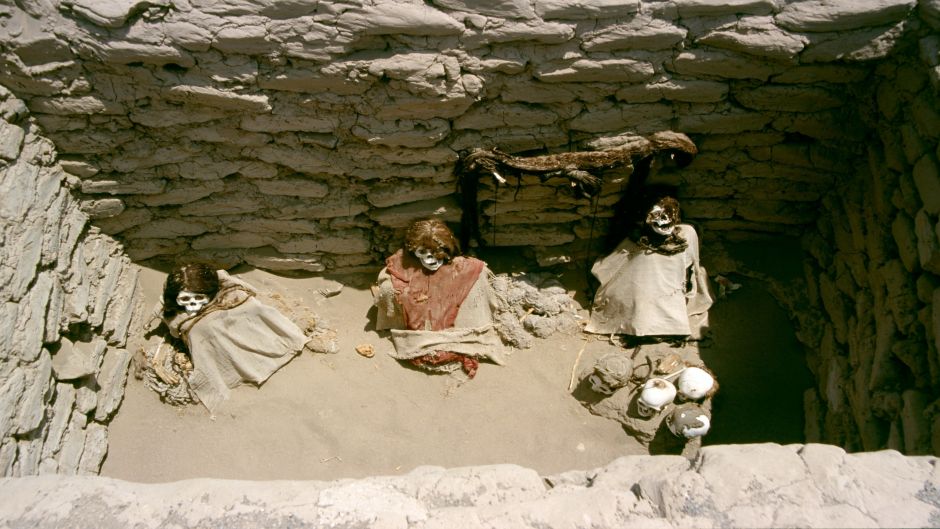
[(232, 338), (653, 284), (437, 303)]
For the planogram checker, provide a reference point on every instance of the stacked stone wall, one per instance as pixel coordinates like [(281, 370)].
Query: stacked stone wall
[(873, 271), (306, 135), (67, 297)]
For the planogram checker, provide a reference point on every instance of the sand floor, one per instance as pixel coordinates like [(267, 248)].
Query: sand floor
[(325, 417)]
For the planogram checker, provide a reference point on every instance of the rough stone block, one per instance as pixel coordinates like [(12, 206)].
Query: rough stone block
[(239, 239), (760, 38), (296, 187), (842, 15), (126, 220), (276, 226), (160, 116), (401, 192), (74, 360), (124, 187), (284, 123), (788, 98), (642, 33), (692, 91), (60, 413), (31, 407), (111, 379), (904, 236), (73, 445), (276, 262), (96, 447), (723, 64), (601, 71), (928, 247), (730, 122), (445, 208), (529, 235), (585, 9), (927, 180), (11, 140), (124, 303), (310, 161), (403, 133), (500, 116), (177, 193), (914, 422), (307, 82), (862, 45), (64, 106), (12, 387), (351, 242), (227, 136), (103, 208), (528, 31), (105, 288), (393, 18), (110, 14), (188, 36), (28, 454), (245, 39)]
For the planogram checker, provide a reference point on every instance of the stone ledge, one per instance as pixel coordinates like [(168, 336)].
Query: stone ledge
[(759, 485)]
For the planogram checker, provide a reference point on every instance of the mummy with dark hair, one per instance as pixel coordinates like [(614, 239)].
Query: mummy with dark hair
[(229, 335), (432, 235), (438, 303), (189, 287), (653, 283)]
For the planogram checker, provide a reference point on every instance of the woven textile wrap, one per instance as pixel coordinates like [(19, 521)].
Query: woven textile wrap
[(471, 331), (644, 293), (235, 339)]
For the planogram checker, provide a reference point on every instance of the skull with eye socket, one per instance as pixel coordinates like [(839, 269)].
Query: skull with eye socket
[(189, 288), (432, 243), (193, 302), (663, 217)]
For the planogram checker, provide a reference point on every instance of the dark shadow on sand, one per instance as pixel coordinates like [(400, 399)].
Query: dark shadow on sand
[(760, 364)]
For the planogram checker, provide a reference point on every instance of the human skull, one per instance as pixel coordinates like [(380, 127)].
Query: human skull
[(611, 372), (428, 260), (191, 301), (688, 420), (660, 221), (657, 393), (694, 383)]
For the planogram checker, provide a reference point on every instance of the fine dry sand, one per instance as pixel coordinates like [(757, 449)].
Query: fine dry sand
[(325, 417)]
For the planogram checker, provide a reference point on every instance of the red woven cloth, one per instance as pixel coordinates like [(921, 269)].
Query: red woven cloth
[(433, 297), (469, 364), (431, 300)]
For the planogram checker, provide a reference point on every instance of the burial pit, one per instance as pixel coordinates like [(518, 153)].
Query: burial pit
[(292, 143)]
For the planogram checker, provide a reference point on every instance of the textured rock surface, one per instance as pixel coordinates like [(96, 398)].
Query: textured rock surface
[(68, 300), (238, 113), (763, 485)]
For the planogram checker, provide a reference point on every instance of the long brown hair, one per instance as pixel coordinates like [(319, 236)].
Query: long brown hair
[(197, 277), (434, 235)]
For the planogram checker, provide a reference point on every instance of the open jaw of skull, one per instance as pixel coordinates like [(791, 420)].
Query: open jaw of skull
[(428, 260), (660, 221), (192, 301)]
